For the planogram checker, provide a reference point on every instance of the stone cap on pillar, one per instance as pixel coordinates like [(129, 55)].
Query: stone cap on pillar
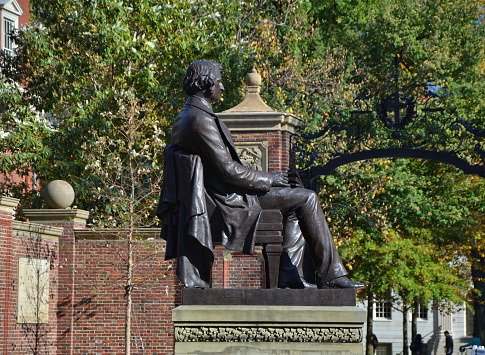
[(254, 115), (56, 215), (37, 231), (8, 204), (58, 195)]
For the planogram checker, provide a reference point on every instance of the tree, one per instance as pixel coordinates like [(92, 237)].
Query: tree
[(127, 180), (20, 146), (107, 74), (435, 43), (75, 59), (401, 228)]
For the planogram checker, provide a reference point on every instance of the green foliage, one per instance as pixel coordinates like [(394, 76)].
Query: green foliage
[(21, 143), (405, 226), (78, 61), (440, 42), (401, 224), (99, 70)]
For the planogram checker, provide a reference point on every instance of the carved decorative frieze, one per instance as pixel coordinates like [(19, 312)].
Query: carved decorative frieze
[(268, 334)]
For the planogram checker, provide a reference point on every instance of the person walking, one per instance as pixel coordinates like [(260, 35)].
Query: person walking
[(417, 345), (375, 342), (448, 343)]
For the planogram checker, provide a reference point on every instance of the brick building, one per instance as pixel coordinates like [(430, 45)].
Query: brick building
[(14, 14)]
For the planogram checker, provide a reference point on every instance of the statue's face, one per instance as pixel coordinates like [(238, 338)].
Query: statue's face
[(218, 88)]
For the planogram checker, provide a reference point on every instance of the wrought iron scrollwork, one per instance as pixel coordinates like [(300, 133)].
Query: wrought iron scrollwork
[(400, 124)]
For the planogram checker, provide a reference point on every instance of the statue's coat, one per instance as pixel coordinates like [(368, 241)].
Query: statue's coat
[(230, 186)]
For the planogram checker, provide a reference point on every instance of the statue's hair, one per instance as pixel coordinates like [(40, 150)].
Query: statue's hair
[(200, 76)]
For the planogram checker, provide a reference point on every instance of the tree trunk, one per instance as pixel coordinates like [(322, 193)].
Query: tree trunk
[(405, 345), (414, 319), (128, 324), (128, 292), (131, 228), (369, 346)]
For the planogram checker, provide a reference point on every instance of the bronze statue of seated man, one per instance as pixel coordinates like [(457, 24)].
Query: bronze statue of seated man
[(240, 193)]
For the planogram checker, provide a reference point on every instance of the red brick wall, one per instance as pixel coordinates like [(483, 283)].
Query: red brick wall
[(87, 313), (15, 179), (237, 270), (6, 275), (99, 307), (66, 296), (25, 338)]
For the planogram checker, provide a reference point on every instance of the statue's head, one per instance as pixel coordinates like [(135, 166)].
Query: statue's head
[(201, 76)]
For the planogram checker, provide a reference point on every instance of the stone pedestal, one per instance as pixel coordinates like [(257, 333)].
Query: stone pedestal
[(235, 321), (241, 329)]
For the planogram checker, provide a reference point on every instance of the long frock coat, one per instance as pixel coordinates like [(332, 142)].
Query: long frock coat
[(229, 185)]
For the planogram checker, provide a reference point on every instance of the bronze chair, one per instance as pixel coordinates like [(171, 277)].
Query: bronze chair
[(269, 234)]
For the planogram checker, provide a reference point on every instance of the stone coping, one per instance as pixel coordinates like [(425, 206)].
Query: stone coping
[(307, 316), (35, 230), (56, 215), (114, 234), (260, 121), (7, 204)]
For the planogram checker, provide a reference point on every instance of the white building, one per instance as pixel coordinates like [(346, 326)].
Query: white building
[(431, 324), (13, 14)]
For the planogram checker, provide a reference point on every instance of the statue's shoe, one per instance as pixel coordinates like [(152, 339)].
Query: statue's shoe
[(341, 282)]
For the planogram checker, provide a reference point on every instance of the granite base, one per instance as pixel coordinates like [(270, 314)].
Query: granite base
[(252, 329)]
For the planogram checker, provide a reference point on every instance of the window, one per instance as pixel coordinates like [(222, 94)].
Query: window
[(10, 17), (422, 311), (8, 26), (383, 309), (384, 349)]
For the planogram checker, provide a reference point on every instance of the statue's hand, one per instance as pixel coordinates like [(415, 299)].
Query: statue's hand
[(280, 179)]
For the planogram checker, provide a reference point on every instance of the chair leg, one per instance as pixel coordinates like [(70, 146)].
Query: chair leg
[(272, 253)]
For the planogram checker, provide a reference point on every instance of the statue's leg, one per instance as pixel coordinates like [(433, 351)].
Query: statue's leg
[(304, 204), (291, 266)]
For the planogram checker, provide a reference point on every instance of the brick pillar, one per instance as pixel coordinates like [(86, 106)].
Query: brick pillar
[(262, 139), (261, 134), (68, 220), (7, 270)]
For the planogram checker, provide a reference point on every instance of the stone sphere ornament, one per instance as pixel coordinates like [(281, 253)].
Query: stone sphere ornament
[(58, 194)]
